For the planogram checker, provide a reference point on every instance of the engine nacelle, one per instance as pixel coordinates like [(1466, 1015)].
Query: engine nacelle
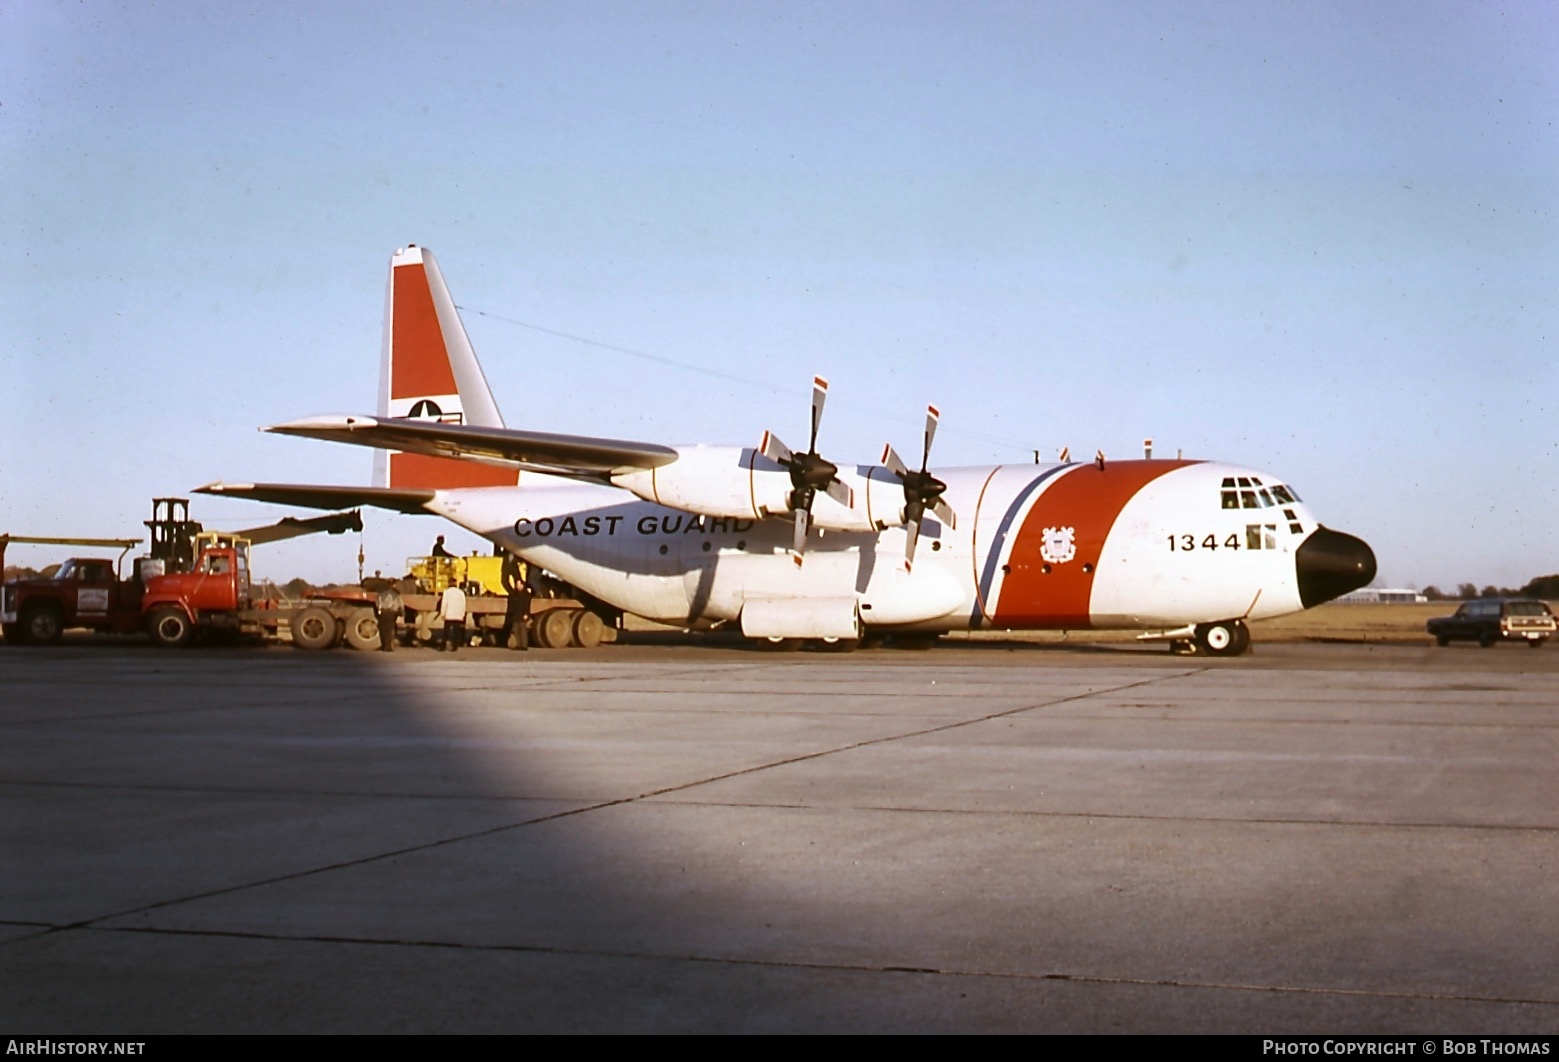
[(741, 483), (727, 481)]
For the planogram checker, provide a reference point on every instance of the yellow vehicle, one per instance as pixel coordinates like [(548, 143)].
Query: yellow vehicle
[(554, 621), (473, 574)]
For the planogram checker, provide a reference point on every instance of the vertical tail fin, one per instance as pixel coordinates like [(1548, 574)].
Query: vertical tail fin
[(428, 370)]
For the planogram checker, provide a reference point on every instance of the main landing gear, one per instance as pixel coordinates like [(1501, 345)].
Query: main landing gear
[(1224, 638)]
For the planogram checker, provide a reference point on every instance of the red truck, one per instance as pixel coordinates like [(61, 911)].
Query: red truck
[(86, 593), (192, 581), (215, 597)]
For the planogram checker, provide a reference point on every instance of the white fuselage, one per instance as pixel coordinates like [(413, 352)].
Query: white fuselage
[(1136, 544)]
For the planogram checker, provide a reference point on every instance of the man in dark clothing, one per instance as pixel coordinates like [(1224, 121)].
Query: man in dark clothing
[(438, 548), (518, 606), (389, 607)]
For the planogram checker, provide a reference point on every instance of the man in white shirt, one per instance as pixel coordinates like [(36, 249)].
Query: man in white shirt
[(452, 610)]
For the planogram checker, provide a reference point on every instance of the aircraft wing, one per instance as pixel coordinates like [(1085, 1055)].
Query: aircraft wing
[(565, 455), (397, 499)]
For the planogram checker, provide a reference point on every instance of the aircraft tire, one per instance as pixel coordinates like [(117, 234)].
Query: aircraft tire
[(314, 628), (42, 624), (362, 629), (1225, 638), (839, 645), (169, 627)]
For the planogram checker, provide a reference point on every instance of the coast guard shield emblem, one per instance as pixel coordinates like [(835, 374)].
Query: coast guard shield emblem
[(1059, 545)]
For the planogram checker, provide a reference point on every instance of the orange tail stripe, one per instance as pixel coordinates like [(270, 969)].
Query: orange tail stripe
[(419, 361)]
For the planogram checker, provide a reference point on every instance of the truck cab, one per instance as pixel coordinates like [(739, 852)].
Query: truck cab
[(212, 595), (85, 593)]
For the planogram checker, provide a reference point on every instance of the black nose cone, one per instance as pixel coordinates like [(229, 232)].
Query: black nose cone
[(1330, 564)]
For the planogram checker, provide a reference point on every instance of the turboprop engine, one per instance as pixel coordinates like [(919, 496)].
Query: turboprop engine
[(741, 483), (773, 480)]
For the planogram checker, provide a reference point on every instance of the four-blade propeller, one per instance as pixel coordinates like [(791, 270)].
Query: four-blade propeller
[(922, 490), (809, 472)]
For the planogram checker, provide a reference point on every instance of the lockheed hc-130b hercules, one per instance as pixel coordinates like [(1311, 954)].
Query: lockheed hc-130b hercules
[(787, 545)]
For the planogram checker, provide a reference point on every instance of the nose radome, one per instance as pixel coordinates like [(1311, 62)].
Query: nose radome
[(1330, 564)]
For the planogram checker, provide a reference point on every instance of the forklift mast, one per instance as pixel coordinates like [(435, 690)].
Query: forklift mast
[(173, 534)]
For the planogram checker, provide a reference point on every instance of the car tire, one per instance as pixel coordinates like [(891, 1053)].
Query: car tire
[(1442, 640)]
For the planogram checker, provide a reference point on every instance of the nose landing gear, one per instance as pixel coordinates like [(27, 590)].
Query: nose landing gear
[(1224, 638)]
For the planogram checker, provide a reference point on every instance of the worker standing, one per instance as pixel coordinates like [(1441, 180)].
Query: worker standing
[(388, 605), (517, 608), (452, 610)]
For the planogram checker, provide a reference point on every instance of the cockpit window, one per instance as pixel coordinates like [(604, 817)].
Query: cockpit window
[(1248, 492)]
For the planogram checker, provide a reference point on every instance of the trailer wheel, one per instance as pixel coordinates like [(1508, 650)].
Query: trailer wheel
[(169, 627), (588, 629), (362, 629), (554, 628), (314, 628)]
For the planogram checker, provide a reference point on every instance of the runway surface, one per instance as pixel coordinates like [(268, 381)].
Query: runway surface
[(984, 838)]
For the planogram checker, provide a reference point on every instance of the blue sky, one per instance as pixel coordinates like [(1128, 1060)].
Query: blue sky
[(1316, 238)]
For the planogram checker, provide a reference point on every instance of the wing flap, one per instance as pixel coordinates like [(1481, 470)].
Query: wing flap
[(566, 455)]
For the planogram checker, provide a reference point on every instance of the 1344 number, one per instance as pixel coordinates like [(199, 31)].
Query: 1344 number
[(1187, 543)]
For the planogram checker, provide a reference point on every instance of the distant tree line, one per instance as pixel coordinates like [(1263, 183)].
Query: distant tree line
[(1544, 586)]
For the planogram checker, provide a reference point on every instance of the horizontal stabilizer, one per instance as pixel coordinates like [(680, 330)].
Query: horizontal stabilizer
[(397, 499), (565, 455)]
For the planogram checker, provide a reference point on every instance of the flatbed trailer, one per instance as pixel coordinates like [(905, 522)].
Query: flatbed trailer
[(554, 622)]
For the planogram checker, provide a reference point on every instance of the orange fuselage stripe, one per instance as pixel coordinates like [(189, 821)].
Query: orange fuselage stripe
[(1089, 501)]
